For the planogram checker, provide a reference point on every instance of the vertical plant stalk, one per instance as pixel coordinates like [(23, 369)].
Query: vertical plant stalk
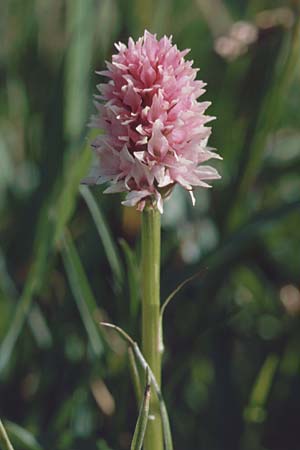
[(151, 347), (5, 443)]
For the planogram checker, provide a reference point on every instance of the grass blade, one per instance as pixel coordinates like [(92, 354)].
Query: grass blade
[(167, 301), (110, 248), (285, 73), (81, 27), (64, 201), (33, 285), (82, 292), (133, 278), (22, 437), (255, 411), (4, 439), (37, 322), (163, 410), (177, 289), (49, 231), (145, 366), (135, 376), (141, 425)]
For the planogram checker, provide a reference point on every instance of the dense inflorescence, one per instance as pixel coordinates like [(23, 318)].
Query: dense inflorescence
[(155, 132)]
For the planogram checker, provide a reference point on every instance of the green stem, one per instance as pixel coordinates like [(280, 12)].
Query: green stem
[(151, 317), (4, 439)]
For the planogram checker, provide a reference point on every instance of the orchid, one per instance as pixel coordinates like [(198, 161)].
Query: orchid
[(155, 130), (153, 135)]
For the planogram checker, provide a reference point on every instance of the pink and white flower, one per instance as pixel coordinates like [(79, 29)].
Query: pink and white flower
[(155, 132)]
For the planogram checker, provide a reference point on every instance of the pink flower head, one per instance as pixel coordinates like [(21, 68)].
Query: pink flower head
[(155, 132)]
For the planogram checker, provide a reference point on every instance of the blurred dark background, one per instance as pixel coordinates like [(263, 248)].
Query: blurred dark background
[(69, 256)]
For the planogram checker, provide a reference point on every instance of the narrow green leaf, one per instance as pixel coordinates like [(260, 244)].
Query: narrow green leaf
[(76, 167), (135, 376), (162, 406), (145, 366), (285, 72), (166, 425), (7, 284), (110, 248), (33, 284), (177, 289), (141, 425), (264, 380), (82, 292), (7, 165), (121, 332), (133, 278), (37, 322), (167, 301), (81, 28), (255, 411), (4, 439), (22, 437), (52, 221), (39, 327)]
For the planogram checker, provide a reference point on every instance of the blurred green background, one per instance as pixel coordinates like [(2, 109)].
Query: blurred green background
[(69, 257)]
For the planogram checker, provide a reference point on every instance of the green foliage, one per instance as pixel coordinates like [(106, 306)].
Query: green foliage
[(109, 246), (4, 439), (141, 425), (82, 293), (69, 256), (22, 438)]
